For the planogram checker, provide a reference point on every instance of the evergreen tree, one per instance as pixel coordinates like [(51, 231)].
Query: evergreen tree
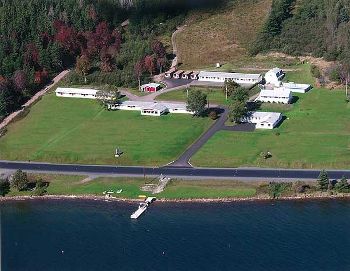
[(4, 187), (323, 181), (342, 186), (19, 180)]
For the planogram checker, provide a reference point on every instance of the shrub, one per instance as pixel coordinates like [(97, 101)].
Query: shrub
[(213, 115), (4, 187), (19, 180), (315, 71)]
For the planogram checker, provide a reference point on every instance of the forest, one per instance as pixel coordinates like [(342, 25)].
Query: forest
[(40, 38), (317, 27)]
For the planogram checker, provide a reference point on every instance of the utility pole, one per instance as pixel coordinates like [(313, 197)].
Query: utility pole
[(346, 85), (226, 92)]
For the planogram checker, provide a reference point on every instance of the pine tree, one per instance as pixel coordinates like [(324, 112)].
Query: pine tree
[(323, 181), (342, 186)]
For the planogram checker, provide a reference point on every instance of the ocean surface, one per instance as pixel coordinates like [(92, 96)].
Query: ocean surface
[(93, 235)]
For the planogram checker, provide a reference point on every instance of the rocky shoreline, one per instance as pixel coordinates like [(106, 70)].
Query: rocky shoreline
[(197, 200)]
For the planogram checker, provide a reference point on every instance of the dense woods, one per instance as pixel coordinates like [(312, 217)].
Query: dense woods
[(317, 27), (39, 38)]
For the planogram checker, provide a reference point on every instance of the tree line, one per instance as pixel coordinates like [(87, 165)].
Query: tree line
[(316, 27), (39, 38)]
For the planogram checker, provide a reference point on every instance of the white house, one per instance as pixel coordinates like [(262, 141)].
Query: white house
[(274, 77), (154, 110), (263, 120), (151, 108), (221, 77), (293, 87), (275, 96), (76, 93)]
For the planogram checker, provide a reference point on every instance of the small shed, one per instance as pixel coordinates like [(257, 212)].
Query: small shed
[(151, 87)]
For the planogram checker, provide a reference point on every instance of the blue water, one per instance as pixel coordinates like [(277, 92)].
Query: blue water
[(229, 236)]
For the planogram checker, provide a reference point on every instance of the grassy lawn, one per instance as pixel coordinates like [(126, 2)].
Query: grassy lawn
[(215, 95), (315, 134), (68, 130), (176, 189)]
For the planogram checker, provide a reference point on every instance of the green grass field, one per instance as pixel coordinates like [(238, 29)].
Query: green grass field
[(70, 130), (215, 95), (315, 134), (177, 189)]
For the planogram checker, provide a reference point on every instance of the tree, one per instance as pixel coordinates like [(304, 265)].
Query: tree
[(40, 188), (139, 70), (159, 49), (196, 102), (4, 187), (229, 87), (19, 180), (238, 103), (150, 64), (20, 80), (83, 66), (237, 110), (323, 181), (106, 97), (342, 186)]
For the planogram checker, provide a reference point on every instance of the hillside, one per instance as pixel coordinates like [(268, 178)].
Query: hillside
[(223, 35)]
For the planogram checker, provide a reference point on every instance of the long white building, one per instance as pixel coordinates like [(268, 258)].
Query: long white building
[(151, 108), (275, 96), (221, 77), (263, 120), (85, 93)]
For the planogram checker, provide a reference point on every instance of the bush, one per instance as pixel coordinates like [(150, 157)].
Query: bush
[(213, 115), (4, 187), (40, 188), (277, 189), (334, 75), (20, 180), (315, 71)]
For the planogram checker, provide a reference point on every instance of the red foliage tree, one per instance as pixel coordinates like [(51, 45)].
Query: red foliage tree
[(150, 64), (20, 80), (31, 55), (40, 77), (66, 36)]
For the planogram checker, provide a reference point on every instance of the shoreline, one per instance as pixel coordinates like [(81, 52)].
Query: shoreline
[(197, 200)]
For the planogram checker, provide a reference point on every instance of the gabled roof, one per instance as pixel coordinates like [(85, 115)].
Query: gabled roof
[(230, 75), (269, 117), (280, 93), (86, 91), (153, 85)]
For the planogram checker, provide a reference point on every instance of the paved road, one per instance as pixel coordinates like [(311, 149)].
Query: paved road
[(184, 159), (244, 174)]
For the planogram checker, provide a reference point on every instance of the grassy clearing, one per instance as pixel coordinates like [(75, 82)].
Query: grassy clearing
[(177, 189), (215, 95), (79, 131), (223, 36), (316, 134)]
